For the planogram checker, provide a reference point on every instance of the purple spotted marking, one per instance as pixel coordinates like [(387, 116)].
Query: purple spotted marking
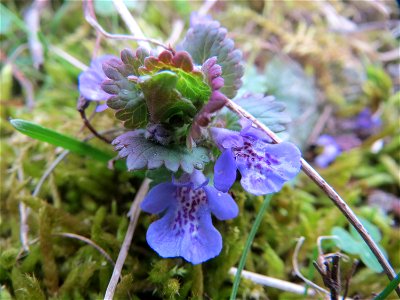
[(264, 167), (186, 228)]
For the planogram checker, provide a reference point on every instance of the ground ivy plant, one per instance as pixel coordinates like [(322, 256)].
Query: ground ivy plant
[(171, 103)]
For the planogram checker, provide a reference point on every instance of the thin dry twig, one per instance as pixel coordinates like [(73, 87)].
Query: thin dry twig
[(87, 241), (81, 109), (320, 124), (328, 190), (91, 19), (297, 269), (130, 22), (207, 5), (133, 216), (68, 57), (24, 213), (48, 171), (19, 75), (177, 28), (274, 282), (32, 20)]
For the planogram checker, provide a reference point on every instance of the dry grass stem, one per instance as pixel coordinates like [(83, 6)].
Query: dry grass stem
[(133, 215)]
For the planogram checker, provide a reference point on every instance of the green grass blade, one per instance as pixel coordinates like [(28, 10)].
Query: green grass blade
[(247, 246), (57, 139), (389, 288)]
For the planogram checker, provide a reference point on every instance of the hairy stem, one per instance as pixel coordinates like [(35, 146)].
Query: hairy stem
[(329, 191)]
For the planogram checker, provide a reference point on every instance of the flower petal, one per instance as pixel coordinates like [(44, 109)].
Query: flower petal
[(101, 107), (226, 138), (159, 198), (195, 241), (221, 205), (280, 163), (225, 171), (91, 79)]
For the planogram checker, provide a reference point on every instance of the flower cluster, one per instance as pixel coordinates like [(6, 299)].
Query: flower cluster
[(167, 101)]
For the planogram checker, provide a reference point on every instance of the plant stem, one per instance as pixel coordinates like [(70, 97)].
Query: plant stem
[(247, 246), (90, 17), (329, 191), (389, 288), (134, 216)]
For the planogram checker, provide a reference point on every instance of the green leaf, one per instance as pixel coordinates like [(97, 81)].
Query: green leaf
[(369, 259), (208, 39), (190, 81), (57, 139), (127, 99), (266, 109), (287, 81), (162, 98), (142, 153), (8, 19), (371, 228), (133, 114), (345, 241), (354, 244)]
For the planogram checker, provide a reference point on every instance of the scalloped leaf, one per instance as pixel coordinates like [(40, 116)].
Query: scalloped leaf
[(142, 153), (208, 39), (162, 98), (190, 81), (266, 109), (127, 99), (288, 82)]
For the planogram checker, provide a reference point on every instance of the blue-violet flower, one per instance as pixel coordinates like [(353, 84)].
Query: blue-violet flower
[(330, 150), (90, 82), (186, 228), (264, 167)]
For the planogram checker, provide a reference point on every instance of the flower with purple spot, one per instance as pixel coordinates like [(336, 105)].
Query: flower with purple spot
[(90, 82), (186, 229), (330, 150), (264, 167)]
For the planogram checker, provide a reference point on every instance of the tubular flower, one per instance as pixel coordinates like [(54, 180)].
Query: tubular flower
[(186, 228), (264, 167), (90, 82)]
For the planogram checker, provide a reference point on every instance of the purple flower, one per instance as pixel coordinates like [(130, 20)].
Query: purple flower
[(331, 149), (90, 82), (264, 167), (186, 228), (366, 120)]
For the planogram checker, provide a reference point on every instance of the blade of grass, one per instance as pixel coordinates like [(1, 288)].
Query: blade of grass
[(389, 288), (57, 139), (247, 246)]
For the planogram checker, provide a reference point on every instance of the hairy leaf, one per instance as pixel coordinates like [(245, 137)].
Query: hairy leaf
[(127, 99), (207, 39), (142, 153), (266, 109), (288, 82), (162, 99), (190, 81)]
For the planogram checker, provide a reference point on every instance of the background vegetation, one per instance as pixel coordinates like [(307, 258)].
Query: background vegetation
[(326, 60)]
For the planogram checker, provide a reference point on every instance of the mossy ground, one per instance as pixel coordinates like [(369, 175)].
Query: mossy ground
[(84, 197)]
